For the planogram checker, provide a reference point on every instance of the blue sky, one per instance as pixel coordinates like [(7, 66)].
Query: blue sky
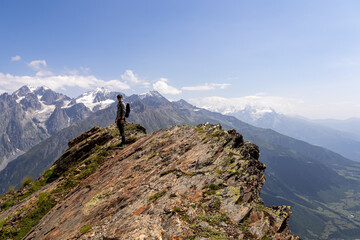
[(298, 57)]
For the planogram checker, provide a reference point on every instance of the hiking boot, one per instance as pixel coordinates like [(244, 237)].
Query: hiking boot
[(122, 145)]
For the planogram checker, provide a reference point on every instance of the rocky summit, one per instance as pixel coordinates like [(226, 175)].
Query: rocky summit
[(179, 183)]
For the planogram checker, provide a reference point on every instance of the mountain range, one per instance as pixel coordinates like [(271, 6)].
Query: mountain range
[(30, 115), (338, 135), (351, 126), (321, 186)]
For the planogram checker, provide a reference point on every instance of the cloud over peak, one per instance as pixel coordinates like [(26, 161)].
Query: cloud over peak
[(37, 64), (206, 87), (230, 105), (130, 78), (43, 76), (11, 82), (164, 88)]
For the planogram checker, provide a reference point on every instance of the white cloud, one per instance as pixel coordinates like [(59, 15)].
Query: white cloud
[(115, 84), (15, 58), (130, 78), (81, 70), (162, 87), (284, 105), (43, 73), (230, 105), (44, 77), (38, 64), (11, 82), (206, 87)]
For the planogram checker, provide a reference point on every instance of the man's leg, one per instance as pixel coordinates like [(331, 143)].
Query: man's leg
[(122, 132)]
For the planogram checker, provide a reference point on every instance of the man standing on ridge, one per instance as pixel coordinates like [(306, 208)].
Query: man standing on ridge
[(120, 118)]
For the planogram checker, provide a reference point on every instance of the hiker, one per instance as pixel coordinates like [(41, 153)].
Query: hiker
[(120, 118)]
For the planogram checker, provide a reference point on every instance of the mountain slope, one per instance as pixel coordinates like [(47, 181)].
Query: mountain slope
[(179, 183), (43, 155), (312, 131), (351, 126), (30, 115), (321, 185)]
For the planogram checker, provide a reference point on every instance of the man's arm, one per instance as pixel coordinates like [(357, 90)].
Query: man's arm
[(123, 111), (118, 113)]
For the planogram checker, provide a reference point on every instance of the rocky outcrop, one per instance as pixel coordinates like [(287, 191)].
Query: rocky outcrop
[(179, 183)]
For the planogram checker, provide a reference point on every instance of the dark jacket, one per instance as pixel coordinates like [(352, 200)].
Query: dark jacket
[(121, 109)]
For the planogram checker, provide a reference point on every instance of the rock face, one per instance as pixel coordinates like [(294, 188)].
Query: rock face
[(178, 183)]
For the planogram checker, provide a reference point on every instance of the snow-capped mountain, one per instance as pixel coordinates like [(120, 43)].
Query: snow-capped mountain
[(30, 115), (300, 128), (98, 99), (247, 112)]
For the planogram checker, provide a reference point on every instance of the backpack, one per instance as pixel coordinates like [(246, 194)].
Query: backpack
[(127, 111)]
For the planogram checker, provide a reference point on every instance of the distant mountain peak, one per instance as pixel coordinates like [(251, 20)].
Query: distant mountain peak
[(151, 93), (98, 90), (257, 112), (26, 89), (22, 91), (43, 87), (184, 103), (152, 98), (101, 90), (97, 99)]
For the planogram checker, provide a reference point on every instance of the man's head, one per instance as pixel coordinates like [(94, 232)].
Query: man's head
[(119, 97)]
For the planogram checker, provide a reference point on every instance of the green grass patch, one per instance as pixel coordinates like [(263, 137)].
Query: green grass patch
[(132, 139), (3, 221), (211, 233), (214, 219), (217, 204), (66, 185), (88, 170), (189, 174), (176, 209), (7, 232), (27, 181), (44, 205), (37, 185), (209, 192), (152, 156), (11, 190), (6, 205), (245, 228), (48, 173), (167, 172), (157, 195), (212, 188), (85, 229), (185, 217), (200, 130), (34, 187)]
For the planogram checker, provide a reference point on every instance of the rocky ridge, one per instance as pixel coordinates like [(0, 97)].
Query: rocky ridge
[(178, 183)]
